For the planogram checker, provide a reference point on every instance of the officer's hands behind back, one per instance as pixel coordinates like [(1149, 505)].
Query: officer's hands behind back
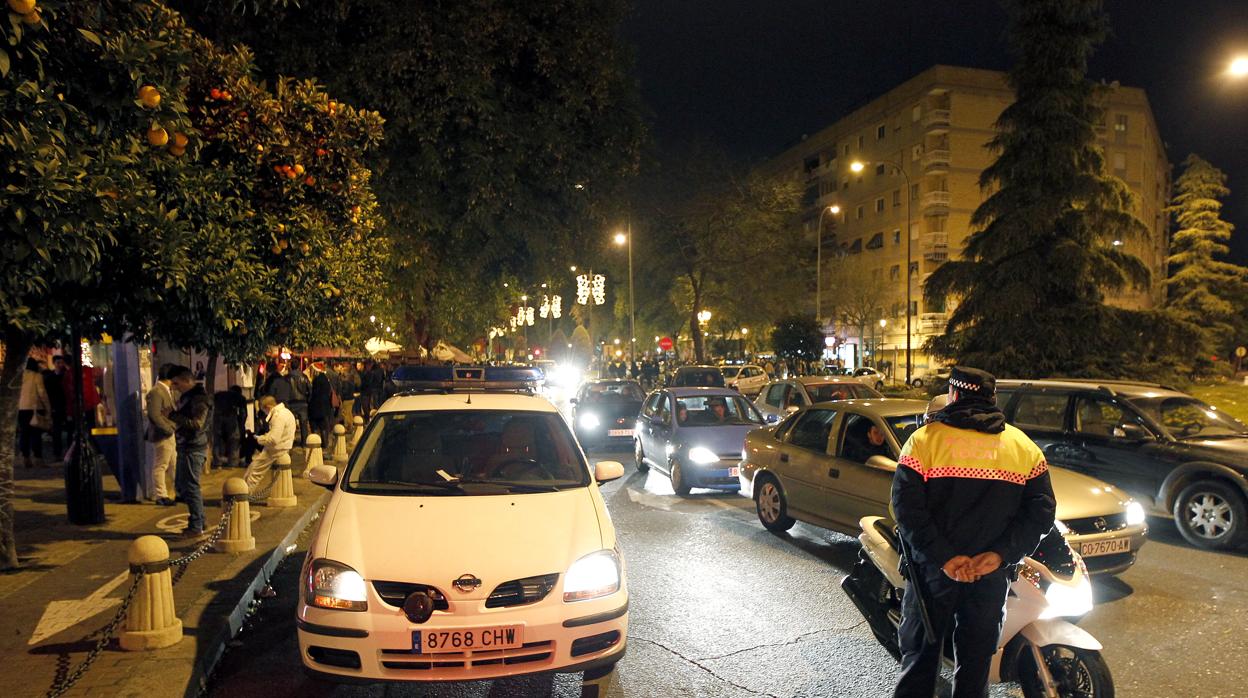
[(963, 568)]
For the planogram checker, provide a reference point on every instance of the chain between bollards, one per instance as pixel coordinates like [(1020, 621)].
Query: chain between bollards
[(106, 636), (212, 540)]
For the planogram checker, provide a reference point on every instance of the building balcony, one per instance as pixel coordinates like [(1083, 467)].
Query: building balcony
[(934, 246), (933, 322), (936, 119), (935, 202), (936, 159)]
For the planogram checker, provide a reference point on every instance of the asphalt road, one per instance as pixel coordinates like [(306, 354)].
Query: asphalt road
[(720, 607)]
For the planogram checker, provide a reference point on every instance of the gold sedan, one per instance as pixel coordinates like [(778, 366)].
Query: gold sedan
[(831, 464)]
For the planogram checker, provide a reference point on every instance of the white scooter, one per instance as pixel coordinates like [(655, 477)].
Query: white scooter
[(1050, 656)]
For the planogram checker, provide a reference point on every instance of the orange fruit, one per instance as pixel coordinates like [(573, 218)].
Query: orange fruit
[(283, 243), (32, 18), (22, 7), (290, 174), (305, 248), (309, 180), (157, 136), (277, 169), (179, 140), (298, 169), (259, 147), (149, 96), (176, 151), (275, 249)]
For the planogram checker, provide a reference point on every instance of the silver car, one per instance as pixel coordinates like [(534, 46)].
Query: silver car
[(831, 464), (782, 397)]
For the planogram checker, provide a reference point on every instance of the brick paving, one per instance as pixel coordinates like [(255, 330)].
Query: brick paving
[(61, 562)]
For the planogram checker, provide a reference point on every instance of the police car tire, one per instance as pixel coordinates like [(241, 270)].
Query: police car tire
[(1101, 682), (783, 521), (679, 485), (1227, 493)]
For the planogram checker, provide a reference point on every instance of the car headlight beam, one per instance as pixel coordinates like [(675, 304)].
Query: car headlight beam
[(334, 585), (593, 576), (589, 421), (1135, 514), (702, 455)]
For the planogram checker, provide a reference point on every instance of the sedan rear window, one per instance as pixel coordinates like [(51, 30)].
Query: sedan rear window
[(466, 452)]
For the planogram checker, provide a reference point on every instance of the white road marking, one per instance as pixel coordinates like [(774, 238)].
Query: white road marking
[(60, 615)]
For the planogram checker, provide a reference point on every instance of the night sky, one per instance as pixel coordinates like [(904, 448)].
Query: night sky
[(752, 76)]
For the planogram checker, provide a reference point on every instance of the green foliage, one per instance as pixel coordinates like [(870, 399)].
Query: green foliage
[(1030, 283), (1200, 288), (797, 337)]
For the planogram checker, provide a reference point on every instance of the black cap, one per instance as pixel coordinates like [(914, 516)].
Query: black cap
[(972, 381)]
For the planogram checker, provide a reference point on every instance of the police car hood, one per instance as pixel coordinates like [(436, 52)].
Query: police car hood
[(435, 540)]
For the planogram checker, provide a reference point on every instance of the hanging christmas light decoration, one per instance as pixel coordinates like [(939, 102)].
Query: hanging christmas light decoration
[(556, 306), (600, 289), (512, 322), (545, 309), (528, 316), (582, 289)]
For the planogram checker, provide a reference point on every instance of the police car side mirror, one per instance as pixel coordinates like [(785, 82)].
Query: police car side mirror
[(324, 475), (607, 470)]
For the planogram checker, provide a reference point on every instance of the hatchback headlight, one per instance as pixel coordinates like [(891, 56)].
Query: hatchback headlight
[(589, 421), (593, 576), (1135, 514), (332, 584), (702, 455)]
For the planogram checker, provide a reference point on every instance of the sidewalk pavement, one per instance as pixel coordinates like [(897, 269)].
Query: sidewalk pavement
[(72, 580)]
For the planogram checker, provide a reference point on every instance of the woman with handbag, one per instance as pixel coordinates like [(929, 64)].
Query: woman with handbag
[(34, 414)]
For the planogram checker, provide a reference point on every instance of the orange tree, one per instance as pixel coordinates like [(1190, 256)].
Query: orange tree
[(84, 122)]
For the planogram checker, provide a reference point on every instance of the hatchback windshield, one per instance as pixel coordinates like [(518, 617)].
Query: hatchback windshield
[(715, 411), (1187, 417), (466, 452)]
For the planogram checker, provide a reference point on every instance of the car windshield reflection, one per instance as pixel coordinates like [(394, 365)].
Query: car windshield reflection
[(1189, 418)]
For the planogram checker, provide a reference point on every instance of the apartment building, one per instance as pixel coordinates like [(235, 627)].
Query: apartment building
[(922, 146)]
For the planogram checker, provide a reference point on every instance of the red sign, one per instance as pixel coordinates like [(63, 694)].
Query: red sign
[(665, 344)]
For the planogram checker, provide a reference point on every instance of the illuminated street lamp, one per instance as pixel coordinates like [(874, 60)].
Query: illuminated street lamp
[(1238, 67), (858, 166), (627, 239)]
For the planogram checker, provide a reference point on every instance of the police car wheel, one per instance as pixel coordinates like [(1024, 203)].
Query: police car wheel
[(640, 457), (771, 506), (1210, 514), (679, 485)]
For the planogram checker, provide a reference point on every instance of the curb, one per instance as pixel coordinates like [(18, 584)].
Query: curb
[(215, 649)]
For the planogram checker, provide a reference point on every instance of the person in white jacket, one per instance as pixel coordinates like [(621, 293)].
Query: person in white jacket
[(275, 442)]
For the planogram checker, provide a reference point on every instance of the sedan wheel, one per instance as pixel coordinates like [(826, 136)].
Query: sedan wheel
[(679, 486), (639, 455), (772, 509), (1210, 514)]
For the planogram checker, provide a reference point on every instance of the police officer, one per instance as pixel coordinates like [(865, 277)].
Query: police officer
[(972, 498)]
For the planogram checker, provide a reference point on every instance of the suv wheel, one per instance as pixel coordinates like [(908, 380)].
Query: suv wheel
[(771, 507), (1210, 514)]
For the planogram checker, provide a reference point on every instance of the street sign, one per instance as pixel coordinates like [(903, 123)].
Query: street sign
[(1241, 352), (665, 343)]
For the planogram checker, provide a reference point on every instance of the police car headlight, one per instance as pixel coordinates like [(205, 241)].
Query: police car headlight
[(589, 421), (1135, 514), (334, 585), (593, 576), (702, 455)]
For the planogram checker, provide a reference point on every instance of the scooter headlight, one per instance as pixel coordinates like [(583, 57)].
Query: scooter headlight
[(333, 585), (1069, 598), (1135, 514)]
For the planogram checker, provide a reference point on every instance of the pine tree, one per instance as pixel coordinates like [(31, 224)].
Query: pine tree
[(1030, 284), (1201, 289)]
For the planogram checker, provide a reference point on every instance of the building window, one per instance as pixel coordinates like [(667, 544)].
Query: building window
[(897, 236), (893, 274), (914, 307), (896, 197), (879, 169), (861, 140), (845, 150), (879, 205), (1120, 163), (856, 246), (914, 269), (846, 185), (880, 132), (858, 213), (1120, 128), (810, 163), (876, 241), (936, 305), (916, 113), (914, 192)]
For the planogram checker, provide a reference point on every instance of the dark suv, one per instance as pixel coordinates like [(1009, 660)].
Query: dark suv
[(1179, 457)]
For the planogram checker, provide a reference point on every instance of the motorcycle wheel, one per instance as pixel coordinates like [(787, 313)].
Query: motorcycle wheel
[(1079, 673)]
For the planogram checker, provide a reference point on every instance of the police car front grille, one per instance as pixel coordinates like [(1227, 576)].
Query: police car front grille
[(395, 593), (519, 592), (1097, 524)]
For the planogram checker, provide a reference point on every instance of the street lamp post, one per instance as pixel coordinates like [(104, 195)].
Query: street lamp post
[(833, 209), (627, 239), (857, 166)]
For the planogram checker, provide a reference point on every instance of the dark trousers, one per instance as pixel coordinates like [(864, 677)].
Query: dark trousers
[(324, 427), (186, 484), (29, 439), (226, 439), (300, 410), (972, 612)]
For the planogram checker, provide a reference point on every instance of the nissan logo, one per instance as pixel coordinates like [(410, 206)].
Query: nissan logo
[(466, 583)]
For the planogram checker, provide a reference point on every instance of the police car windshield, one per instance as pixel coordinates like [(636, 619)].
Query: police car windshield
[(715, 411), (481, 451)]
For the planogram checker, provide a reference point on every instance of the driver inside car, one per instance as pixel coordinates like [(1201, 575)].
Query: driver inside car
[(719, 409)]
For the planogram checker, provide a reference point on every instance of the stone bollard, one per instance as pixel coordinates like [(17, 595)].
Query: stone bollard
[(237, 537), (283, 492), (340, 444), (358, 433), (151, 622)]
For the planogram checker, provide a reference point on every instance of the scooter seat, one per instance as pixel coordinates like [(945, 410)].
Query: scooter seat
[(888, 529)]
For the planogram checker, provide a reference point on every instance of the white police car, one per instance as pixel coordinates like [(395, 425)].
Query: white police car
[(465, 539)]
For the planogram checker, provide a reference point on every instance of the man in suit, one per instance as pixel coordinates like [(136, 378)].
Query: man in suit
[(321, 412), (160, 431)]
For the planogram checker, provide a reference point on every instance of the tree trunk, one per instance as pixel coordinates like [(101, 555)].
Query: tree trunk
[(16, 346), (210, 374), (695, 329)]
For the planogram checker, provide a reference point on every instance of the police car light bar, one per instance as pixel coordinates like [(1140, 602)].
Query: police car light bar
[(474, 378)]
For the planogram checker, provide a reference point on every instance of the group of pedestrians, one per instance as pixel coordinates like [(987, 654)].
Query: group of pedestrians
[(180, 429), (46, 407)]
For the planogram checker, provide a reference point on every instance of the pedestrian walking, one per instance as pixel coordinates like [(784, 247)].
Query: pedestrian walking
[(300, 388), (972, 497), (34, 414), (275, 442), (228, 417), (193, 422), (56, 405), (321, 412), (160, 432)]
